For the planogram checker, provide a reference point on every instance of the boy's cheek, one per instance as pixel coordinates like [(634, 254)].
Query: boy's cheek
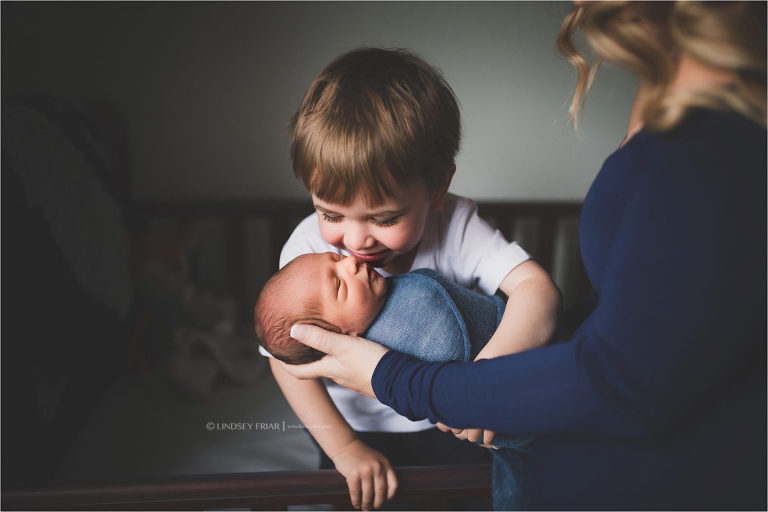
[(409, 236), (332, 236)]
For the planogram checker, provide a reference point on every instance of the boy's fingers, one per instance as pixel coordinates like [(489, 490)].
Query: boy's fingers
[(354, 491), (368, 488), (473, 435), (314, 336), (442, 428), (380, 493), (391, 483), (489, 436)]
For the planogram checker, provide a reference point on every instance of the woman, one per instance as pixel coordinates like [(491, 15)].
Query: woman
[(658, 400)]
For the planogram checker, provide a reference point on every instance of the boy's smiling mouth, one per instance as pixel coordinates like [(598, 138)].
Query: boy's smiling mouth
[(372, 258)]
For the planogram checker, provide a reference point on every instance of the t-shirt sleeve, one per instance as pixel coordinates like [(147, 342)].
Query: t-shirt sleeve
[(481, 255)]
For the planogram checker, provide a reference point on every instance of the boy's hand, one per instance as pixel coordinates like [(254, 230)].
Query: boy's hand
[(370, 477), (472, 435)]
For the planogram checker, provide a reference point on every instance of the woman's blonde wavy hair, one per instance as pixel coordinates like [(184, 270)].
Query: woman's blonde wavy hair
[(730, 36)]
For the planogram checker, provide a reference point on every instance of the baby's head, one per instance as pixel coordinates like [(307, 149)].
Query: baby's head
[(337, 293)]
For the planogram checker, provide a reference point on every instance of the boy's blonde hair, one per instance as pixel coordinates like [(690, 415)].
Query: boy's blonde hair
[(727, 35), (373, 120), (277, 310)]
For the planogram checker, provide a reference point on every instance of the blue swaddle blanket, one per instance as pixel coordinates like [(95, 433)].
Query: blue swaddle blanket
[(434, 319)]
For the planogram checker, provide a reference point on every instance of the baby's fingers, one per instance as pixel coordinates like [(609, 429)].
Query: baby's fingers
[(488, 437), (442, 428)]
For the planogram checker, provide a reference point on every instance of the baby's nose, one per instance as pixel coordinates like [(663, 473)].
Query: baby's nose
[(351, 263)]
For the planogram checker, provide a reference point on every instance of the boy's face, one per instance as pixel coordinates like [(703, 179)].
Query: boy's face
[(349, 291), (383, 236)]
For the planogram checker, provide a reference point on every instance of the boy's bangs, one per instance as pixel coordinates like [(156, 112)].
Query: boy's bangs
[(340, 167), (342, 188)]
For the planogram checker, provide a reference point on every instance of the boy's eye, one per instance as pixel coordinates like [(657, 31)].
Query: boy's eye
[(386, 222), (331, 218)]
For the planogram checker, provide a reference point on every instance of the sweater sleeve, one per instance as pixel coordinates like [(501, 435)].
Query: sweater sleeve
[(681, 316)]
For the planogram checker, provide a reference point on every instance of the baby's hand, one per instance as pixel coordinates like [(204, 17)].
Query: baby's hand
[(472, 435), (370, 477)]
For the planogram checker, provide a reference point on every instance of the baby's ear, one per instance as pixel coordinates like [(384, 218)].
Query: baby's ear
[(438, 197)]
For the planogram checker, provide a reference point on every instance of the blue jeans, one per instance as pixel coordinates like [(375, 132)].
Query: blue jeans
[(510, 477)]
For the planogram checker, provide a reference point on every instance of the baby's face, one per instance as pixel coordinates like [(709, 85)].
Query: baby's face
[(349, 292)]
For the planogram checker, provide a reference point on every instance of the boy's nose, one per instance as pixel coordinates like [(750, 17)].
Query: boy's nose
[(358, 238)]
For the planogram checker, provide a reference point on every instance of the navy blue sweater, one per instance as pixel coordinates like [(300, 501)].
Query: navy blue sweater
[(659, 399)]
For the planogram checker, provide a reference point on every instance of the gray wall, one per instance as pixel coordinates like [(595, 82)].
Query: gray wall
[(207, 88)]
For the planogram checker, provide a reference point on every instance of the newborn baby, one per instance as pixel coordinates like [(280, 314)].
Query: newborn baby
[(420, 313)]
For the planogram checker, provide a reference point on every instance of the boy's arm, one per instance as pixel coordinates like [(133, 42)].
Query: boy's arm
[(530, 315), (369, 475), (528, 322)]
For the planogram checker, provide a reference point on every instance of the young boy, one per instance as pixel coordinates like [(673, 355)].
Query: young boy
[(374, 142), (420, 313)]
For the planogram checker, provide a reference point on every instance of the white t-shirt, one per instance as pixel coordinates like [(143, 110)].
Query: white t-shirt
[(456, 243)]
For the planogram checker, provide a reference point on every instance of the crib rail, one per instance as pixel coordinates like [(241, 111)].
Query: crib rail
[(423, 487)]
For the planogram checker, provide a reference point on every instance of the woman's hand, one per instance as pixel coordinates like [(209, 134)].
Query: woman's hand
[(370, 477), (350, 360)]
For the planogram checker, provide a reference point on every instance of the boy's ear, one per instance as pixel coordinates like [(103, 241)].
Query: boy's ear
[(438, 197)]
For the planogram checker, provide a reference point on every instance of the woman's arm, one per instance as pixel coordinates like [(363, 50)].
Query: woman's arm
[(528, 322)]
